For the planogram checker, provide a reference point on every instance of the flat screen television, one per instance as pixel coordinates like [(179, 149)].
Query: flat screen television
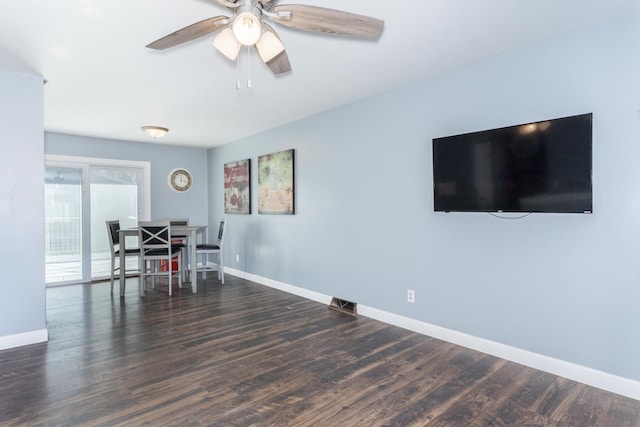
[(535, 167)]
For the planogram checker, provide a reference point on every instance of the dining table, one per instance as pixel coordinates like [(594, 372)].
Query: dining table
[(190, 232)]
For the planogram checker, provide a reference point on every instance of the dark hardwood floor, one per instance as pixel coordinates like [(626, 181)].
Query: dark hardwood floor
[(243, 354)]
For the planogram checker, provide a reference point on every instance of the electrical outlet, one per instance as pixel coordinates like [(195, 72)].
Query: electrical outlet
[(237, 257), (411, 295)]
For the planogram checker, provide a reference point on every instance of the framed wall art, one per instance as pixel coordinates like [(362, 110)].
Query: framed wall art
[(237, 187), (276, 183)]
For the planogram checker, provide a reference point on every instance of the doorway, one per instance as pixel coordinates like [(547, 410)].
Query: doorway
[(81, 194)]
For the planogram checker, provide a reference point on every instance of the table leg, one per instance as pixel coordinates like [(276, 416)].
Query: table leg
[(123, 270), (194, 260)]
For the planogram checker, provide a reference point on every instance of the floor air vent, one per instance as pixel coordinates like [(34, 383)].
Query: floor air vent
[(344, 306)]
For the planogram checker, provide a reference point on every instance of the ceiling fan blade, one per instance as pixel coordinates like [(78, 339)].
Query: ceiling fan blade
[(272, 52), (312, 18), (280, 63), (189, 33)]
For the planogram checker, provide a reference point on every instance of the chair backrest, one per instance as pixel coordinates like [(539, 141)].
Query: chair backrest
[(180, 221), (155, 235), (114, 237), (221, 232)]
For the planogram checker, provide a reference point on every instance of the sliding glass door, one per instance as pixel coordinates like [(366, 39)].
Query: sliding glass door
[(81, 195), (114, 195), (63, 196)]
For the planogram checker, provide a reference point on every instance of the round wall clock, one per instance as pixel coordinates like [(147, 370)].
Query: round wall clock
[(180, 180)]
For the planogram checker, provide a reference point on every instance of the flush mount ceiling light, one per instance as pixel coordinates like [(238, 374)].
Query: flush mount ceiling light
[(155, 131)]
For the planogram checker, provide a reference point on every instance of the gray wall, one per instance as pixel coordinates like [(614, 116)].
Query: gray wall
[(22, 306), (165, 203), (562, 285)]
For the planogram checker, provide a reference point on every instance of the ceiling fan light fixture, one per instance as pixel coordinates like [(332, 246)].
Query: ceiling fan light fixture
[(269, 46), (155, 131), (227, 44), (247, 28)]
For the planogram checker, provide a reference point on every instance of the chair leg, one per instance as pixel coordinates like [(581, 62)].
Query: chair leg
[(113, 270), (185, 263), (140, 281), (220, 268), (154, 269), (205, 264), (143, 279), (218, 265), (170, 268)]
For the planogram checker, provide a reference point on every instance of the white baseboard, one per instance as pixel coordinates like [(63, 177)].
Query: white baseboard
[(592, 377), (572, 371), (314, 296), (27, 338)]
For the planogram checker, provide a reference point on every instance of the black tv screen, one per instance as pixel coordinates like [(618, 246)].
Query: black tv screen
[(535, 167)]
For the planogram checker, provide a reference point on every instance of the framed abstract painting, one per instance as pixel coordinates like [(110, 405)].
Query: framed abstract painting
[(237, 187), (276, 183)]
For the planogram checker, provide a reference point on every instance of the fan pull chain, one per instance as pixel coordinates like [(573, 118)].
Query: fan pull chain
[(238, 72), (248, 67), (238, 85)]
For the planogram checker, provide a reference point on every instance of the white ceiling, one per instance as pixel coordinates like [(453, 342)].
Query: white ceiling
[(103, 82)]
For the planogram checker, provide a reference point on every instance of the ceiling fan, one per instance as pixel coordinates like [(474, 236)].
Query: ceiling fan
[(246, 28)]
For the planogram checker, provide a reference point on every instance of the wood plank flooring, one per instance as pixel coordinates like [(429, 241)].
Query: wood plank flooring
[(242, 354)]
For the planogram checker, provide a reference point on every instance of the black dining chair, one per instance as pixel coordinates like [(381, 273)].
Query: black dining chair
[(113, 228), (180, 241), (204, 250), (158, 254)]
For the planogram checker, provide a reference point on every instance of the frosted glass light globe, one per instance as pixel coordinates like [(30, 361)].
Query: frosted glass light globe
[(247, 28)]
